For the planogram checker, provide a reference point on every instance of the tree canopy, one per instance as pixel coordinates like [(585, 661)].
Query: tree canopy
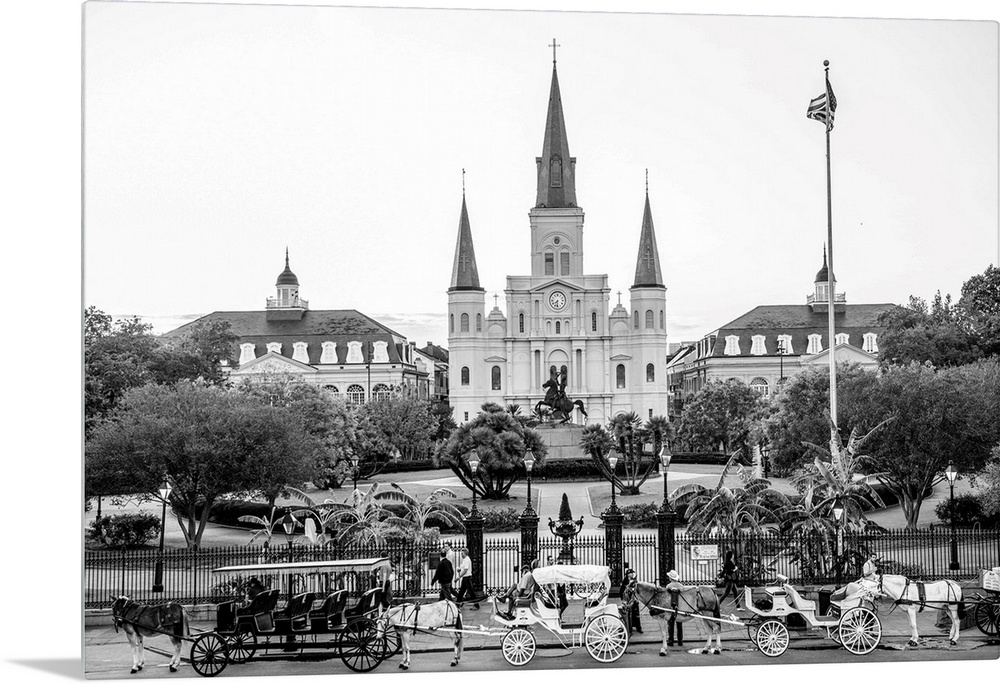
[(720, 413)]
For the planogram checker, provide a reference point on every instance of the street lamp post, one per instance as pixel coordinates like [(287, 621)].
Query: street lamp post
[(288, 525), (474, 532), (529, 462), (613, 518), (951, 472), (474, 467), (612, 462), (665, 520), (355, 463), (158, 569), (838, 516), (781, 361)]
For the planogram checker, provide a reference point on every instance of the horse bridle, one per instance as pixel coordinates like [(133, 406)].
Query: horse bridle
[(119, 620)]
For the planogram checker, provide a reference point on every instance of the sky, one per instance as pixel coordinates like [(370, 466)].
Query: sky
[(52, 249), (218, 135)]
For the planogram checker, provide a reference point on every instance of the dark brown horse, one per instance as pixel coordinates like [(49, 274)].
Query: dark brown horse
[(139, 621)]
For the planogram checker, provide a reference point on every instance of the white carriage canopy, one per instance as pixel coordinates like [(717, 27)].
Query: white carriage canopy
[(573, 574)]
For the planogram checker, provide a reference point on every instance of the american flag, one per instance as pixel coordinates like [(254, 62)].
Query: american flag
[(823, 107)]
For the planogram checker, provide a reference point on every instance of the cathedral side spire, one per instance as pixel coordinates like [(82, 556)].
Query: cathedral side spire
[(647, 265), (556, 169), (464, 273)]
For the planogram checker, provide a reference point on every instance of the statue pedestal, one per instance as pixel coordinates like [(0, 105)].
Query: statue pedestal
[(562, 441)]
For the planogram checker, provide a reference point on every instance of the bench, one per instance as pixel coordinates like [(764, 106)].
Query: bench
[(296, 613), (330, 614), (368, 603), (260, 611)]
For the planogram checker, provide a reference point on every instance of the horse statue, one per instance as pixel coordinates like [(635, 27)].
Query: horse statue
[(409, 618), (685, 604), (139, 621), (556, 399), (915, 596)]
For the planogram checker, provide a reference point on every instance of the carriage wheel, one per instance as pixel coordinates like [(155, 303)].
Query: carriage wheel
[(358, 645), (606, 638), (389, 644), (860, 631), (987, 616), (209, 654), (753, 624), (772, 638), (242, 645), (518, 646)]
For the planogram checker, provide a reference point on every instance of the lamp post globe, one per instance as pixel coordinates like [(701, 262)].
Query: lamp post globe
[(164, 492), (474, 467), (665, 457), (951, 472), (612, 462), (838, 511), (529, 463)]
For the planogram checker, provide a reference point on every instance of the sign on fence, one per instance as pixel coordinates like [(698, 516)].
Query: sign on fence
[(704, 552)]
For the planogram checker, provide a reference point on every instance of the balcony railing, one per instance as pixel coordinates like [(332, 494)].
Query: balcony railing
[(838, 298), (294, 302)]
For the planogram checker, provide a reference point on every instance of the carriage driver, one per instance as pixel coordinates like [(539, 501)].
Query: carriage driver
[(526, 587), (674, 587), (870, 570)]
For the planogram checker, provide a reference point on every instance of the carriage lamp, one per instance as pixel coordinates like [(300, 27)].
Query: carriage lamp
[(951, 472), (838, 511), (838, 516), (355, 462), (474, 466), (164, 491), (529, 463)]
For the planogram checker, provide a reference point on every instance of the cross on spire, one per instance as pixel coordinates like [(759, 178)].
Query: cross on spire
[(647, 257), (647, 181), (495, 298), (463, 261), (619, 297), (554, 46)]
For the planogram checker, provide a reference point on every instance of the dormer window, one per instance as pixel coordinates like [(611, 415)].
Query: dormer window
[(329, 354), (870, 344), (300, 352), (842, 338), (247, 353), (757, 345), (785, 344), (732, 345), (274, 347), (381, 352), (815, 344), (354, 354)]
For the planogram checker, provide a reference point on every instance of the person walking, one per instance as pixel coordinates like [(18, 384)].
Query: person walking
[(674, 587), (630, 603), (464, 578), (728, 576), (444, 576)]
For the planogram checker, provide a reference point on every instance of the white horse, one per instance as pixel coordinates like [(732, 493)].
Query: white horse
[(690, 603), (409, 618), (138, 621), (915, 596)]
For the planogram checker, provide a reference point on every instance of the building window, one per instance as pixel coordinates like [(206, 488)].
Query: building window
[(381, 352), (555, 172), (650, 373), (520, 322), (842, 338), (329, 354), (333, 389), (354, 352), (564, 263), (300, 352), (620, 376), (479, 322), (870, 343), (466, 419), (465, 375), (785, 344), (246, 352), (635, 319), (757, 345), (451, 323), (815, 344), (650, 413), (495, 377), (550, 264), (662, 326), (355, 395), (593, 321), (464, 322), (759, 385), (380, 392), (649, 319), (558, 327), (274, 347), (732, 345)]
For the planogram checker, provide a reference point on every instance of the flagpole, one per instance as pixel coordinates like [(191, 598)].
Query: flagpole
[(829, 275)]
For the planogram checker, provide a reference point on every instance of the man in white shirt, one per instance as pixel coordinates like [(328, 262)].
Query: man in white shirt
[(464, 578)]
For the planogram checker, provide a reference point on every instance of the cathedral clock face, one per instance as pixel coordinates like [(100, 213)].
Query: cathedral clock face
[(557, 300)]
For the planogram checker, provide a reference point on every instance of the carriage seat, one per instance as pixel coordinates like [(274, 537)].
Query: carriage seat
[(597, 600), (796, 601), (296, 613), (260, 610), (368, 602), (331, 613)]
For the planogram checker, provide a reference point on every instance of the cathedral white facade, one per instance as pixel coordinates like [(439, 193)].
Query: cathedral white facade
[(558, 316)]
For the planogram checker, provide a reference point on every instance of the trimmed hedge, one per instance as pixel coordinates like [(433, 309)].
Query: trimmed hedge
[(410, 466), (125, 531), (228, 512)]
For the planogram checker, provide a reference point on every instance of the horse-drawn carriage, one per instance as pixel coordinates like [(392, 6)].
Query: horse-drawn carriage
[(850, 619), (601, 631), (987, 602)]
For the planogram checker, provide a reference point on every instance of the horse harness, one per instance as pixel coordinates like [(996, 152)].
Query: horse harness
[(132, 611), (416, 617), (921, 594)]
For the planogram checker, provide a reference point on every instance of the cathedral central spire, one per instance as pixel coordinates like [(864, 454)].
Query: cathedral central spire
[(556, 169)]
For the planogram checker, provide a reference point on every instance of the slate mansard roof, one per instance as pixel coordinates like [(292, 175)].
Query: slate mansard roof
[(314, 328)]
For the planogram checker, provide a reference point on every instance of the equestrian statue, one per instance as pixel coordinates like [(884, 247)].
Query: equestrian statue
[(560, 406)]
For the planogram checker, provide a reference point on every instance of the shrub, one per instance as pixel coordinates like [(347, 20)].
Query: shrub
[(968, 511), (644, 515), (126, 530), (576, 469), (501, 519)]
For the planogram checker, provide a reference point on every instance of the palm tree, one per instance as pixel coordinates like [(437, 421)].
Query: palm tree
[(267, 527), (362, 518), (625, 435), (420, 513)]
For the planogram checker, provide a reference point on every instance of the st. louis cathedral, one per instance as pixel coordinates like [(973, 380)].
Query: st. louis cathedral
[(558, 320)]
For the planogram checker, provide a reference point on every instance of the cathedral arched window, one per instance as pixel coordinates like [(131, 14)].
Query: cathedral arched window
[(649, 319), (593, 321), (380, 392), (635, 319), (564, 262), (650, 373), (620, 376), (479, 322), (558, 328), (550, 263), (520, 322), (356, 395), (495, 377), (465, 375), (662, 326), (464, 322), (451, 323), (555, 172)]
